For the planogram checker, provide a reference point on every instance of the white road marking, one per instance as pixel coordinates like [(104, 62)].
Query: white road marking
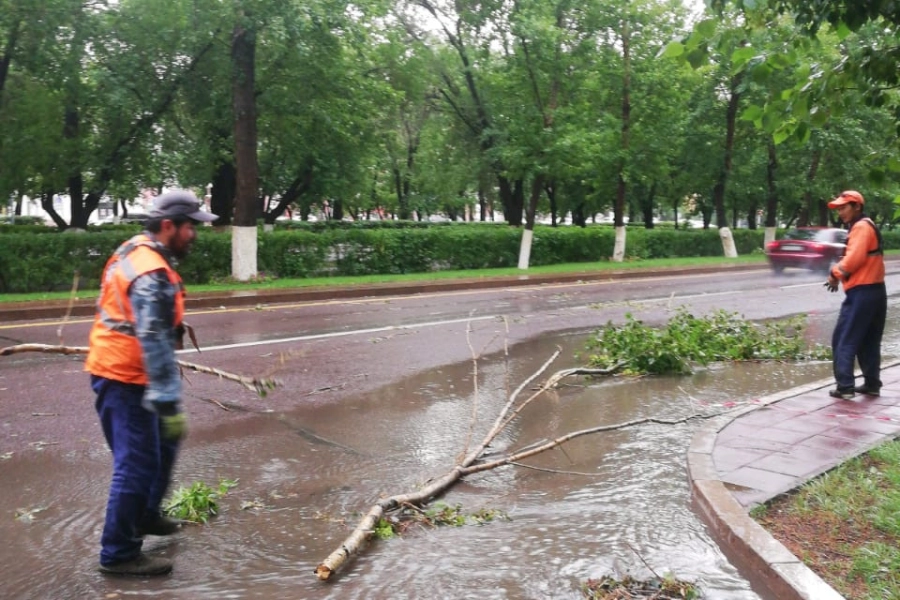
[(336, 334)]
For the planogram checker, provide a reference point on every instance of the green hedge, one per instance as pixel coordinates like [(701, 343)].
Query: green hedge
[(48, 262)]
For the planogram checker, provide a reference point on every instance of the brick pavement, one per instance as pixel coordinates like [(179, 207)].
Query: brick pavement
[(747, 457)]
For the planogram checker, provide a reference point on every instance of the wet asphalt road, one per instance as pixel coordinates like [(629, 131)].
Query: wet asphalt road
[(322, 351), (350, 370)]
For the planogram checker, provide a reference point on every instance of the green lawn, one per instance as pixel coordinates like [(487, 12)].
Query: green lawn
[(431, 276)]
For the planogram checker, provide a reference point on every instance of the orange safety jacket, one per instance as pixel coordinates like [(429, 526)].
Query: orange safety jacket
[(115, 352), (863, 262)]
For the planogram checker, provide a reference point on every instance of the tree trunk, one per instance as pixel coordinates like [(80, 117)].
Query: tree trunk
[(512, 198), (482, 204), (725, 172), (297, 188), (578, 216), (246, 205), (8, 50), (47, 205), (222, 194), (537, 186), (243, 55), (771, 187), (619, 207), (550, 188), (647, 205)]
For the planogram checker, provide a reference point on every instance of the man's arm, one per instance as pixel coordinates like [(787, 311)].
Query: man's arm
[(153, 301), (859, 243)]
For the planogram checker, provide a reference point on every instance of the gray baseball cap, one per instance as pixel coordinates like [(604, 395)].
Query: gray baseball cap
[(180, 203)]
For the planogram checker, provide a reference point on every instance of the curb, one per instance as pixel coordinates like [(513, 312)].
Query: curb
[(764, 561)]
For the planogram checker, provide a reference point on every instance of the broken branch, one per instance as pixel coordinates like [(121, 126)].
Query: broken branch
[(355, 542), (254, 384)]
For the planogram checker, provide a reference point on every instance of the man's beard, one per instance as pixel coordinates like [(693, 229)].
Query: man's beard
[(180, 251)]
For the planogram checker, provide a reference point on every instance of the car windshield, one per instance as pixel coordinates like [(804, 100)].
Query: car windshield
[(809, 235)]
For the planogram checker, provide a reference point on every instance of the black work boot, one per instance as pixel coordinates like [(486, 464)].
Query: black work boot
[(159, 525), (867, 390), (140, 566)]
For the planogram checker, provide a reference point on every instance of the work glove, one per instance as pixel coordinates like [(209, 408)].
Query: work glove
[(831, 285), (172, 422)]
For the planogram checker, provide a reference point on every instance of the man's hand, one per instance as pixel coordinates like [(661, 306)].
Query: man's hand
[(832, 284), (172, 422), (173, 427)]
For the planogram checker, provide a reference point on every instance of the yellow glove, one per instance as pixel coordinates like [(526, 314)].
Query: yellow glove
[(172, 422), (173, 427)]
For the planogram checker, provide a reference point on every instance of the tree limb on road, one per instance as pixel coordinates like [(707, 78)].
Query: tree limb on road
[(469, 463), (259, 385)]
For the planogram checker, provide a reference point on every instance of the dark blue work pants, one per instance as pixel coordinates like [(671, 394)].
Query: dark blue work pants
[(142, 466), (857, 335)]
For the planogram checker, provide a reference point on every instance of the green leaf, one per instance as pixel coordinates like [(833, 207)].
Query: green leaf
[(672, 50), (761, 73), (706, 28), (877, 176), (800, 108), (894, 165), (771, 121), (780, 135), (802, 133), (696, 58), (740, 56), (817, 117), (842, 31), (752, 113)]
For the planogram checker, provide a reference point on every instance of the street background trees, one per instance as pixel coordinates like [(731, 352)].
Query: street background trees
[(572, 112)]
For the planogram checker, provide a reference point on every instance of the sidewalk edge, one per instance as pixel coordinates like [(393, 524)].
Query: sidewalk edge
[(763, 560)]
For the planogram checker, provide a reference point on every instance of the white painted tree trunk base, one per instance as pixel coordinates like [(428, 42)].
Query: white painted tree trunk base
[(525, 248), (769, 236), (243, 253), (619, 248), (728, 242)]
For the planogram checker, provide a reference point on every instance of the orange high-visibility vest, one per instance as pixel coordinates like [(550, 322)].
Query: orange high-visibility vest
[(863, 262), (115, 352)]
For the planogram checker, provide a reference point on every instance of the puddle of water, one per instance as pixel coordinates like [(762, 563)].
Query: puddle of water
[(607, 503)]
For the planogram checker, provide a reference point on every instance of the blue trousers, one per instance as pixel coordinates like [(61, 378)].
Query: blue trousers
[(857, 336), (142, 467)]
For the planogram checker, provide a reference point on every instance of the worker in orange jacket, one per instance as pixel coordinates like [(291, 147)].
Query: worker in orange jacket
[(860, 325), (137, 328)]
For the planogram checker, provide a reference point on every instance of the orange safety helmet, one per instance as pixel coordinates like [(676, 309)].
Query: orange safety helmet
[(846, 198)]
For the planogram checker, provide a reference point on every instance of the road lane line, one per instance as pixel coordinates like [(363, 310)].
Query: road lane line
[(371, 299), (336, 334)]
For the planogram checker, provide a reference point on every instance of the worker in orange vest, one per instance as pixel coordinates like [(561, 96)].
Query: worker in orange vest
[(860, 325), (137, 328)]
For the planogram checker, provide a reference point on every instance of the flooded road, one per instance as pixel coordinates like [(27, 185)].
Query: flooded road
[(308, 467)]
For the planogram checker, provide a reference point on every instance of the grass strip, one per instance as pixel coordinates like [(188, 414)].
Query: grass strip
[(276, 284), (845, 525)]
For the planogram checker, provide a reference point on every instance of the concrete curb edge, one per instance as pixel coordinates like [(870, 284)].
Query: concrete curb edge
[(763, 560)]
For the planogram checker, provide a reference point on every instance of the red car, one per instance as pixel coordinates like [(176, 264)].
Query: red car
[(814, 248)]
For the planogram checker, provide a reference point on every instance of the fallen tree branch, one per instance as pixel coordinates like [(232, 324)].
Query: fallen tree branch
[(254, 384), (468, 465)]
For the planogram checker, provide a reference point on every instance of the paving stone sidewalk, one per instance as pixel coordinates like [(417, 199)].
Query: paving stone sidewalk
[(745, 458)]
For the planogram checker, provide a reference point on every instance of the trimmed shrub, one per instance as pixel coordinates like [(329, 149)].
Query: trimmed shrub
[(48, 262)]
